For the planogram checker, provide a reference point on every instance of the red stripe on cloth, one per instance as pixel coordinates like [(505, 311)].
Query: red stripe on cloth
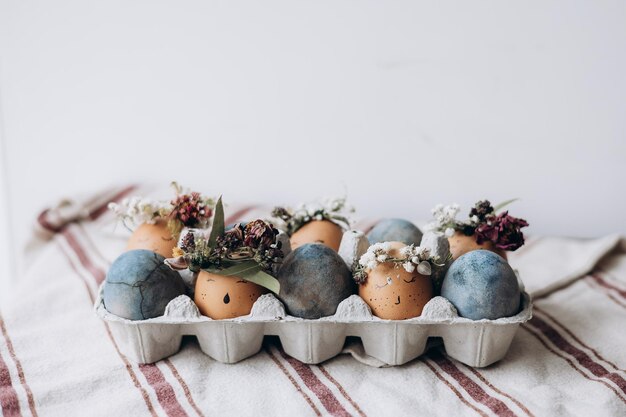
[(237, 216), (184, 386), (537, 335), (608, 285), (341, 390), (96, 273), (127, 365), (9, 402), (95, 213), (42, 219), (594, 285), (472, 388), (581, 357), (81, 230), (20, 370), (449, 385), (293, 382), (490, 385), (164, 391), (573, 336), (328, 399)]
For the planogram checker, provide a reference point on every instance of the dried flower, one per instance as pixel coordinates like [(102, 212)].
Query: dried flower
[(257, 242), (232, 239), (191, 210), (481, 211), (332, 209), (411, 258), (500, 229), (503, 230), (259, 234), (188, 242)]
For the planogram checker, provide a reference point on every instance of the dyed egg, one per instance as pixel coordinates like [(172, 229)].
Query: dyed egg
[(395, 230), (139, 285), (314, 279), (460, 244), (393, 293), (482, 285), (318, 231), (221, 297), (155, 237)]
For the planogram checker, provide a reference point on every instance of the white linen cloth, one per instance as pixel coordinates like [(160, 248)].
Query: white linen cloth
[(58, 359)]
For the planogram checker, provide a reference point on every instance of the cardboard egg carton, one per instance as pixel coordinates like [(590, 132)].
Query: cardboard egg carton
[(477, 343)]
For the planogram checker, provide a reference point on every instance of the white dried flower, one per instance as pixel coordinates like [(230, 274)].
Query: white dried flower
[(382, 257), (405, 251), (408, 266), (449, 232)]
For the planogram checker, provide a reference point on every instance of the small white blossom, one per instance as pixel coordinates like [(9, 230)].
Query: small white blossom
[(409, 266), (405, 251), (449, 232), (382, 257)]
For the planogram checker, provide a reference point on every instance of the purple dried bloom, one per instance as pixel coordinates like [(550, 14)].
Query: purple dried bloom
[(232, 239), (190, 210), (259, 233), (503, 230), (188, 242)]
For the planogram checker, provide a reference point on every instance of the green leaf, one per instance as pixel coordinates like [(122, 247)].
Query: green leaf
[(240, 268), (252, 272), (218, 223), (504, 204)]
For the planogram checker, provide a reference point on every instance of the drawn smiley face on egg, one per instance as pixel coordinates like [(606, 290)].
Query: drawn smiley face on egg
[(221, 297), (318, 231), (393, 293)]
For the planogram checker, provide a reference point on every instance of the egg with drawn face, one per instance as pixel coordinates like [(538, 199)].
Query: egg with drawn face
[(393, 293), (155, 237), (220, 297), (460, 244), (318, 231)]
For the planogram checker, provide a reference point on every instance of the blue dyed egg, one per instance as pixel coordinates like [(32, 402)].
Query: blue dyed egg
[(139, 285), (482, 285), (395, 230), (314, 279)]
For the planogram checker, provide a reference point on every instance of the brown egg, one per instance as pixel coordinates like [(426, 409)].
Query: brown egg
[(460, 244), (393, 293), (318, 231), (155, 237), (221, 297)]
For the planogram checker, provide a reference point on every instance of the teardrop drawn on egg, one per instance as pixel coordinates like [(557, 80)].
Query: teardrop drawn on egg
[(226, 299), (398, 300)]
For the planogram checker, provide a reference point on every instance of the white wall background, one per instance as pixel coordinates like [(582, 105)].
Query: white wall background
[(405, 104)]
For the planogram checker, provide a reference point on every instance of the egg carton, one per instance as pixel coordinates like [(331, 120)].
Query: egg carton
[(477, 343)]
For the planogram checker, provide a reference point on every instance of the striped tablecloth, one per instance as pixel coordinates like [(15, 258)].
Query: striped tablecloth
[(58, 359)]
